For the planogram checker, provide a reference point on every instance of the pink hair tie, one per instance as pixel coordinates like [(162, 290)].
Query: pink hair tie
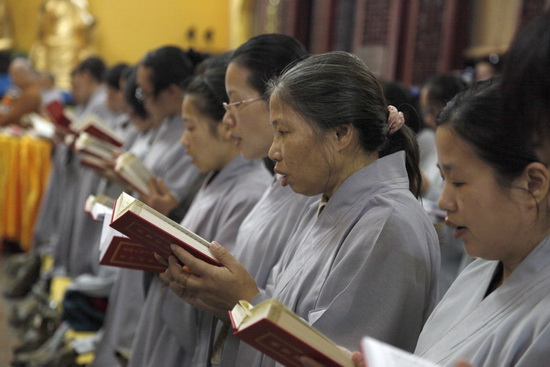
[(395, 119)]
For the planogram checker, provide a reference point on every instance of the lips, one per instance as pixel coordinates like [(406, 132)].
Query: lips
[(281, 177), (237, 140), (459, 231)]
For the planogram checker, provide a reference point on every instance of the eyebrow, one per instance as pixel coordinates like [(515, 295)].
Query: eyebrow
[(274, 123), (445, 167)]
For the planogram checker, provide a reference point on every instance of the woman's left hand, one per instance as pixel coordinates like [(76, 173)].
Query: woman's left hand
[(160, 197)]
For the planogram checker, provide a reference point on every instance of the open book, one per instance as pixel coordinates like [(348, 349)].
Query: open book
[(92, 145), (92, 161), (134, 172), (98, 205), (124, 252), (44, 128), (156, 231), (278, 332), (379, 354), (94, 126)]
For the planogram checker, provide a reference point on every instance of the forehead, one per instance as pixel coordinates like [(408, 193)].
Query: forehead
[(456, 154), (281, 113), (237, 76)]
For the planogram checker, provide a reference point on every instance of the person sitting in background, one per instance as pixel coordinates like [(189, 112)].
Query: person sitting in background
[(26, 98)]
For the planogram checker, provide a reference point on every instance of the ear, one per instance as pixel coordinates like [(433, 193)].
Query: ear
[(343, 136), (175, 90), (536, 179)]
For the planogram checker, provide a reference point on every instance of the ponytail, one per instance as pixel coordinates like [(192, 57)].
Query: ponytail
[(405, 139)]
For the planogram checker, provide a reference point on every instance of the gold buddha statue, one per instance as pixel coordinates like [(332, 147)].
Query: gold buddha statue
[(65, 32)]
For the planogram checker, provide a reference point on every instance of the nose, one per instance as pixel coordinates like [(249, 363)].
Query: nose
[(229, 120), (185, 138), (446, 201), (275, 150)]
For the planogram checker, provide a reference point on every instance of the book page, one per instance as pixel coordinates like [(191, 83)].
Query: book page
[(122, 204), (379, 354)]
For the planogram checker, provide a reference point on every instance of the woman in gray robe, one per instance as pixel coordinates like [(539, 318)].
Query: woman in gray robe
[(166, 333), (368, 262), (264, 233), (160, 150), (497, 312)]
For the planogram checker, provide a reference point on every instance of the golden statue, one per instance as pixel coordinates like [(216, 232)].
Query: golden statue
[(6, 39), (65, 30)]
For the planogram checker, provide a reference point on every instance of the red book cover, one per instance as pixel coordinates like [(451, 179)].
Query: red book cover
[(100, 134), (154, 237), (56, 111), (126, 253), (280, 334), (280, 345)]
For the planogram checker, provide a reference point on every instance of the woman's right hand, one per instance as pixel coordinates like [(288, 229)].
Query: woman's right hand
[(200, 283)]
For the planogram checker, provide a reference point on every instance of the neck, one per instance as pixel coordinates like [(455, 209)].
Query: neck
[(351, 164), (509, 265), (229, 155)]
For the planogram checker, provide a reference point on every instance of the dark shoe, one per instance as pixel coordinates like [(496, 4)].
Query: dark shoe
[(50, 347), (26, 275)]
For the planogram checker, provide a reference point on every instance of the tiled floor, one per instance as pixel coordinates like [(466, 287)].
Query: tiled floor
[(8, 337)]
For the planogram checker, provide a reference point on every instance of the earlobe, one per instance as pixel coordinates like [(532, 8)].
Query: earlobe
[(537, 177)]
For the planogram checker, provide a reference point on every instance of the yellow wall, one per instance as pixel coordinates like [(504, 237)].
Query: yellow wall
[(126, 29)]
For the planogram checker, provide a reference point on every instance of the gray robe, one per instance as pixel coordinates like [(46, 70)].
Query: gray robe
[(167, 158), (168, 327), (262, 238), (78, 233), (367, 264), (127, 294), (509, 327)]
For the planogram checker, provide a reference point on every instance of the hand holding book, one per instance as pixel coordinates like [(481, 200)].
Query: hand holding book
[(219, 288), (160, 197)]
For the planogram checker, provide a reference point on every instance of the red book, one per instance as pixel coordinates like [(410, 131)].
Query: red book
[(156, 231), (57, 114), (279, 333), (124, 252), (97, 128), (92, 145)]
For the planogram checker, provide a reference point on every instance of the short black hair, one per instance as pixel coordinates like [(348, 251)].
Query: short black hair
[(134, 104), (114, 74), (267, 56), (93, 65), (171, 65)]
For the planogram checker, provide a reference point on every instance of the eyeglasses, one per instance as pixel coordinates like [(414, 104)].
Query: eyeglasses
[(141, 95), (229, 106)]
